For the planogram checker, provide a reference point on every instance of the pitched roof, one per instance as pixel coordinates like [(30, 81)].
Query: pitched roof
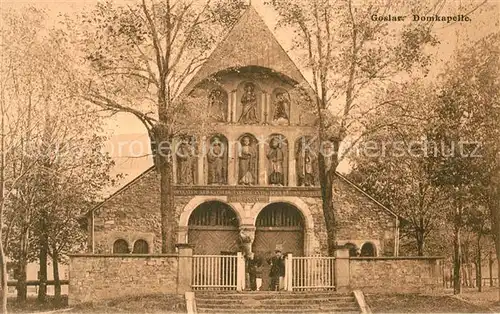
[(249, 43)]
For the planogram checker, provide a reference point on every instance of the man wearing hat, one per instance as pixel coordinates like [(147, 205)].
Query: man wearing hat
[(277, 269)]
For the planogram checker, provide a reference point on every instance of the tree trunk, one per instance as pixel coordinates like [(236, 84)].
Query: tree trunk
[(479, 279), (22, 264), (3, 260), (164, 166), (326, 174), (57, 280), (457, 254), (42, 275), (420, 243), (22, 291)]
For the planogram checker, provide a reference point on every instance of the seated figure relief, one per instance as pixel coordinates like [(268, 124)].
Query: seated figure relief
[(249, 105)]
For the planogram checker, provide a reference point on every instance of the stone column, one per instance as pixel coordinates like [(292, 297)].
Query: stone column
[(269, 108), (292, 175), (184, 268), (342, 270), (262, 164), (229, 114), (232, 161), (201, 161), (233, 97), (182, 234), (263, 108)]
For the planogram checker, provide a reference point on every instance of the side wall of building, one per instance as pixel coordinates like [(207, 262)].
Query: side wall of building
[(133, 214)]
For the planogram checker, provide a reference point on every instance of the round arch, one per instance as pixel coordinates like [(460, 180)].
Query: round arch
[(213, 228), (198, 200), (368, 249), (292, 200)]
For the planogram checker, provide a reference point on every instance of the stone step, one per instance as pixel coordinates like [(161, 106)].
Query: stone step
[(271, 295), (273, 303), (296, 310), (279, 299), (236, 306)]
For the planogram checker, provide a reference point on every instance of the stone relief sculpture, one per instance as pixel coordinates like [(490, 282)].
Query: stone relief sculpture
[(216, 158), (281, 105), (248, 105), (247, 157), (185, 162), (305, 164), (218, 105), (246, 238), (276, 158)]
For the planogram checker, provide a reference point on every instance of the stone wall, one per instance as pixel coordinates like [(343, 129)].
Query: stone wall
[(395, 274), (100, 277), (133, 214), (361, 220)]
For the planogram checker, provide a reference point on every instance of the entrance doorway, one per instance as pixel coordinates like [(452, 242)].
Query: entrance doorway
[(278, 226), (213, 229)]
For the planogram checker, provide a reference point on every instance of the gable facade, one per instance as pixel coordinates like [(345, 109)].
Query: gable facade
[(254, 188)]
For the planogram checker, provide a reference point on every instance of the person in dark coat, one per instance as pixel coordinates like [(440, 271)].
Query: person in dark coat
[(253, 263), (277, 263)]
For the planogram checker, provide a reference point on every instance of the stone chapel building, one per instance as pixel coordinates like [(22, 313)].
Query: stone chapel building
[(256, 187)]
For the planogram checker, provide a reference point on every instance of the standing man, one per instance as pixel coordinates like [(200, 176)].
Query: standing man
[(253, 264), (277, 270)]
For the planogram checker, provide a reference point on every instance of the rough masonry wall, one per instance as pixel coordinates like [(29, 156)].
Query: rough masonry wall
[(95, 278), (359, 219), (395, 275), (133, 214)]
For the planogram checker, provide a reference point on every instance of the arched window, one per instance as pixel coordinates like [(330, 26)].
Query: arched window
[(120, 247), (353, 249), (141, 247), (368, 249)]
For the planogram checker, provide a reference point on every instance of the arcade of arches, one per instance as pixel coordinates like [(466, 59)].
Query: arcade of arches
[(214, 228)]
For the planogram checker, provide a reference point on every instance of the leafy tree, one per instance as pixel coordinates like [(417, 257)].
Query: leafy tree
[(468, 111), (141, 56), (350, 57)]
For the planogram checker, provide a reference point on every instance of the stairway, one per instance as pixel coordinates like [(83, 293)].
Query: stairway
[(275, 302)]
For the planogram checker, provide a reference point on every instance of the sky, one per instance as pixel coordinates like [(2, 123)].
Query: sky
[(125, 128)]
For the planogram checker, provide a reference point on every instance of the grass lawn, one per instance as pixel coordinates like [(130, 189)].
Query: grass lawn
[(419, 303), (32, 305), (138, 304)]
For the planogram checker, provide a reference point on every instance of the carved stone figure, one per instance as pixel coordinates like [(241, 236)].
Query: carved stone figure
[(246, 239), (281, 105), (305, 165), (216, 162), (249, 105), (218, 105), (185, 169), (247, 162), (276, 158)]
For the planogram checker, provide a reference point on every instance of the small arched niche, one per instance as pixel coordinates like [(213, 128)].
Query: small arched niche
[(277, 160), (281, 107), (140, 247), (248, 160), (368, 249), (186, 161), (218, 104), (306, 161), (249, 103), (120, 246), (216, 160), (353, 249)]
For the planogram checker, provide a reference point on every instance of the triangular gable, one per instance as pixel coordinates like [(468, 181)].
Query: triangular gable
[(249, 43)]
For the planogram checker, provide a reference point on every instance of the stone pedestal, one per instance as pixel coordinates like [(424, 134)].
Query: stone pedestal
[(342, 270), (185, 267)]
